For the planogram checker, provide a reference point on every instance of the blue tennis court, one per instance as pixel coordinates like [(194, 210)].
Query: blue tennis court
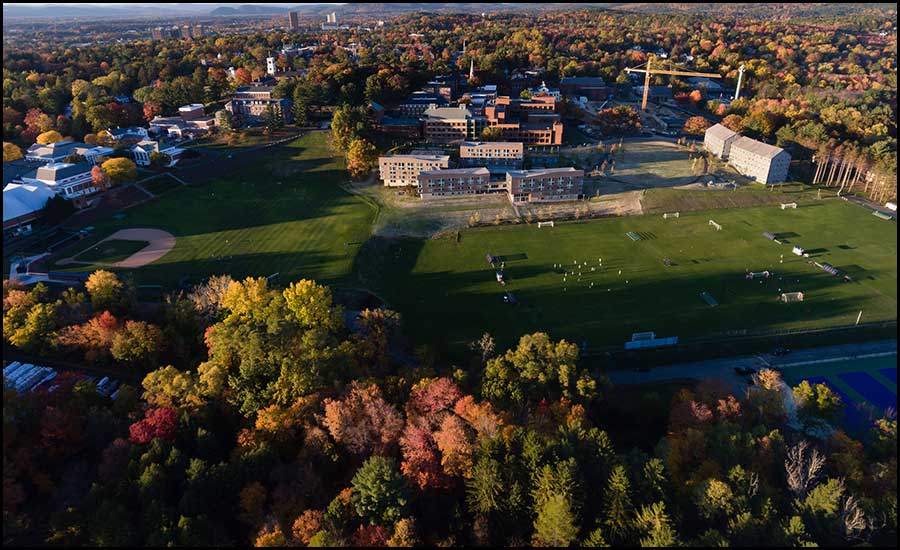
[(854, 418), (871, 389), (890, 374)]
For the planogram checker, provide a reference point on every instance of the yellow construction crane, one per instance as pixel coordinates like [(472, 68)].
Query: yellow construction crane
[(648, 71)]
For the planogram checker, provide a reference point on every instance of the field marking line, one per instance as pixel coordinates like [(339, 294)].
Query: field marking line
[(835, 359)]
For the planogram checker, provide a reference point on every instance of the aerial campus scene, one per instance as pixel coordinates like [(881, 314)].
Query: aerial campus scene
[(449, 274)]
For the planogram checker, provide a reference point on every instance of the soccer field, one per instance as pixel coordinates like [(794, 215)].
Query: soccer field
[(449, 295), (283, 212)]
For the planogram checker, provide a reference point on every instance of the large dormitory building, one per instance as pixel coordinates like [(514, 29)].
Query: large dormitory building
[(757, 160)]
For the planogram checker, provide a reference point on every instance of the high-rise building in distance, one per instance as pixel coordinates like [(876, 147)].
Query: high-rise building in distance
[(294, 19)]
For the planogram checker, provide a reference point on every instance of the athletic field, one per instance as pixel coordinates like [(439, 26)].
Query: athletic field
[(283, 212), (610, 286)]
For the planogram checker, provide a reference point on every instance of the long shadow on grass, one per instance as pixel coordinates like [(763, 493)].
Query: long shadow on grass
[(450, 308), (290, 267), (241, 203)]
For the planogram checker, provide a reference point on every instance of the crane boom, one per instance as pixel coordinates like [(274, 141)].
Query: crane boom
[(681, 73), (648, 71)]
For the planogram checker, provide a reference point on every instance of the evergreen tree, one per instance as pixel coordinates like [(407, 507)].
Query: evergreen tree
[(555, 523), (618, 508), (654, 524)]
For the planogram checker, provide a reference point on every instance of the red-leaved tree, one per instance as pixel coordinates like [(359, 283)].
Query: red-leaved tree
[(160, 422)]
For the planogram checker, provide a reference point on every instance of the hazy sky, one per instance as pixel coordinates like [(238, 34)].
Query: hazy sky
[(284, 4)]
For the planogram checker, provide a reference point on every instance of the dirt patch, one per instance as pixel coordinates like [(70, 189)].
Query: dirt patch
[(159, 244)]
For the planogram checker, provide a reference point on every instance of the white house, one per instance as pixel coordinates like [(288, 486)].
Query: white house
[(141, 152)]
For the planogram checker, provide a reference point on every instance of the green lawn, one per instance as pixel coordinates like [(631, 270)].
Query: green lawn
[(449, 294), (653, 164), (285, 212), (160, 185), (111, 251), (282, 212), (657, 201)]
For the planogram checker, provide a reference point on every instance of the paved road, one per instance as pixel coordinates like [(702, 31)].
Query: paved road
[(870, 204), (724, 368)]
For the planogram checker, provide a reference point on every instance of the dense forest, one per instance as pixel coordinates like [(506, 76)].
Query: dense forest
[(280, 420)]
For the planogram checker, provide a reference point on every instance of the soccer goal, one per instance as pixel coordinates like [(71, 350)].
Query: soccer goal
[(545, 224), (714, 224), (668, 215), (788, 297), (786, 205)]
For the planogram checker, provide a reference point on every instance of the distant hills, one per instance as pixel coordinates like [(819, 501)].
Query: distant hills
[(86, 10)]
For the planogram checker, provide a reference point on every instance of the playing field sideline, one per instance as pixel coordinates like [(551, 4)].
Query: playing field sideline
[(605, 307)]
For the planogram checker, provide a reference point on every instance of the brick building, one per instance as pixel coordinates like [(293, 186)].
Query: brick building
[(452, 124), (491, 154)]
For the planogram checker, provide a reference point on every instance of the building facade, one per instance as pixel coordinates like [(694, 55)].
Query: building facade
[(551, 184), (72, 181), (59, 151), (452, 124), (491, 153), (459, 181), (532, 121), (141, 152), (249, 105), (403, 170), (718, 140), (760, 161), (592, 87)]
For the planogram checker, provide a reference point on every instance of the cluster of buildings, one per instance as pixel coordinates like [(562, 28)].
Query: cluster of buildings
[(438, 115), (64, 168), (759, 161), (485, 167), (186, 32), (427, 114)]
